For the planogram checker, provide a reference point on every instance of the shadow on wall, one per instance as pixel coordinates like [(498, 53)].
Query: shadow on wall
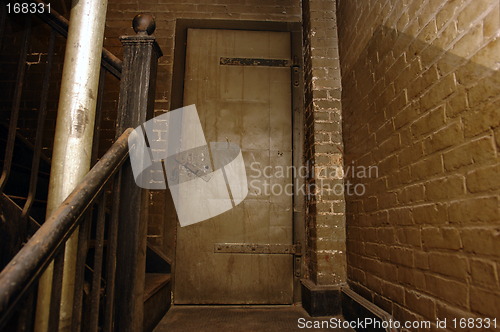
[(424, 238)]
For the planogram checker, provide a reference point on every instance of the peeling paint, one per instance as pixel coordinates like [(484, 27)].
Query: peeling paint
[(79, 122)]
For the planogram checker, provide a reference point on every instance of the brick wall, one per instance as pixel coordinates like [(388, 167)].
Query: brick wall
[(420, 99), (119, 21), (326, 260), (325, 207), (120, 14), (36, 60)]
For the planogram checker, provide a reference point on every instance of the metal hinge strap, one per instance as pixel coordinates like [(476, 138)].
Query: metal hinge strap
[(258, 248), (255, 62)]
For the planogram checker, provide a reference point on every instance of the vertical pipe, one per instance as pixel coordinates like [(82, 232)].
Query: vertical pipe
[(56, 292), (74, 132), (83, 239), (98, 117)]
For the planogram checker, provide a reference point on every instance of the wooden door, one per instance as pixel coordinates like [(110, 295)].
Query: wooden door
[(240, 82)]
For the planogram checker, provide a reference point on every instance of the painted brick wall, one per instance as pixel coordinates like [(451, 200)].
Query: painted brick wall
[(119, 21), (325, 206), (421, 89)]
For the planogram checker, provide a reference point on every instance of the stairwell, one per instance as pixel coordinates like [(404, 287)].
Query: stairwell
[(30, 111)]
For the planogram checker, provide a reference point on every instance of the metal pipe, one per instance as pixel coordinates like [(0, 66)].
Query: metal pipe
[(74, 132)]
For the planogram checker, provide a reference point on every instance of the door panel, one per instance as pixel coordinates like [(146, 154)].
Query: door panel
[(250, 106)]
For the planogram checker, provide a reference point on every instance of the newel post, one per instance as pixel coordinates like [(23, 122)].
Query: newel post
[(135, 106)]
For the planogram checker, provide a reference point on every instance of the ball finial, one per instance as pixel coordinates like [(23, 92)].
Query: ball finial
[(144, 24)]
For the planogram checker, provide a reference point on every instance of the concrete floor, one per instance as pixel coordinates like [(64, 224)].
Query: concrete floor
[(241, 319)]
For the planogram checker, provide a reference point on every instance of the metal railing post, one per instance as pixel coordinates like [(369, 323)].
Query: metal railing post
[(73, 137), (135, 106)]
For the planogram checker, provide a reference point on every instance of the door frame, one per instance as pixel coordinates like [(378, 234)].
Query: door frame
[(297, 80)]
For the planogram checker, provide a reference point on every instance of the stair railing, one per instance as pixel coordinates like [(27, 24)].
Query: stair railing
[(107, 207), (109, 64), (86, 207)]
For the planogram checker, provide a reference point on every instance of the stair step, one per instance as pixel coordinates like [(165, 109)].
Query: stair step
[(157, 290), (156, 261), (154, 282)]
